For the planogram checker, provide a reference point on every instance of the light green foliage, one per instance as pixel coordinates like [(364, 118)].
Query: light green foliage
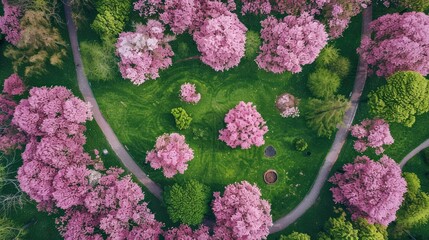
[(341, 67), (253, 41), (405, 95), (183, 120), (323, 116), (111, 18), (296, 236), (327, 56), (323, 83), (370, 231), (339, 228), (414, 5), (8, 230), (187, 203), (300, 144), (99, 61), (415, 208)]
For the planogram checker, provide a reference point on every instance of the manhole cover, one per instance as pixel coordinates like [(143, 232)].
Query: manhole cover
[(270, 176), (270, 151)]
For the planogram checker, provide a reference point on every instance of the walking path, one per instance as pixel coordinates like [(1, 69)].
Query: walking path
[(340, 138), (105, 127), (416, 150)]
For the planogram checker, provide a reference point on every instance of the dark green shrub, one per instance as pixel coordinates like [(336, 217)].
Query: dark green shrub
[(323, 83), (300, 144), (188, 203), (182, 49), (341, 67), (183, 120)]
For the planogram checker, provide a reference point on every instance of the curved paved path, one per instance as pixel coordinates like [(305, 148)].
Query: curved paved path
[(416, 150), (104, 126), (340, 137)]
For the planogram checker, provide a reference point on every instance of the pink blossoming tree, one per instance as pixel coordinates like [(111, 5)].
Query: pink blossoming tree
[(52, 111), (244, 127), (290, 43), (241, 213), (179, 14), (171, 153), (370, 190), (13, 85), (144, 52), (297, 7), (184, 232), (256, 7), (371, 133), (400, 43), (189, 94), (9, 23), (221, 41), (10, 137), (147, 7)]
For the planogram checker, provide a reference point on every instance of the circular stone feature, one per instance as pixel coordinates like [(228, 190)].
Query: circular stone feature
[(270, 176), (270, 151)]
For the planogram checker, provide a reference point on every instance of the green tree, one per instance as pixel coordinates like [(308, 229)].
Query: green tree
[(323, 83), (415, 208), (414, 5), (296, 236), (339, 228), (9, 230), (327, 56), (341, 67), (183, 120), (405, 95), (111, 18), (323, 116), (187, 203), (99, 61), (253, 41), (368, 231), (300, 144), (40, 45)]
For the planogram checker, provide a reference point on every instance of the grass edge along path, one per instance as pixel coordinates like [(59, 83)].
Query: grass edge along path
[(414, 152), (340, 137), (102, 123)]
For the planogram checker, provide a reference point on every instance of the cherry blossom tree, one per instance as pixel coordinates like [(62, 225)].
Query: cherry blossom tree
[(184, 232), (144, 52), (221, 41), (297, 7), (371, 190), (52, 111), (13, 85), (244, 127), (287, 104), (256, 7), (399, 44), (179, 14), (290, 43), (10, 137), (189, 94), (147, 7), (171, 153), (241, 213), (9, 23), (371, 133)]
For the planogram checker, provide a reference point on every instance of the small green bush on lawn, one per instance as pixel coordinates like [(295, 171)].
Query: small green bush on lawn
[(183, 120), (300, 144), (188, 203)]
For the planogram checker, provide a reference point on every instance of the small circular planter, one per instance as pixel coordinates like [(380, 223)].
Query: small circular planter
[(270, 176), (270, 151)]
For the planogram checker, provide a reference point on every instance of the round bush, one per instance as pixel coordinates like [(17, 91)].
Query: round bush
[(327, 56), (341, 67), (253, 41), (300, 144), (183, 120), (323, 83), (187, 203)]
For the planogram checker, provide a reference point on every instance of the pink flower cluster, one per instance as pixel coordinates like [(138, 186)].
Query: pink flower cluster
[(52, 111), (400, 43), (371, 133), (241, 213), (256, 6), (9, 23), (13, 85), (147, 7), (179, 14), (189, 94), (288, 106), (221, 41), (171, 153), (297, 7), (244, 127), (144, 52), (290, 43), (370, 190), (184, 232)]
